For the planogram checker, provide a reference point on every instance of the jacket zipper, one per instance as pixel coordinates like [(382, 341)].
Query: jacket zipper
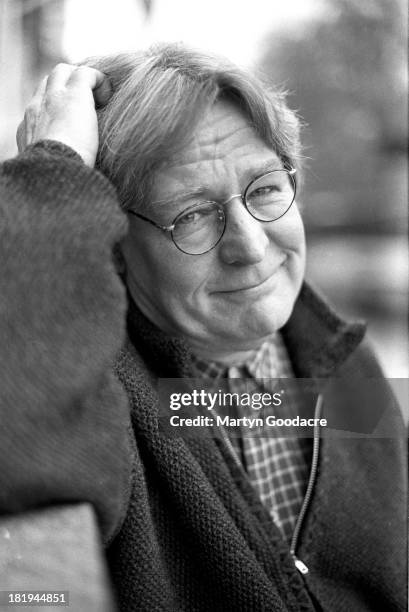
[(232, 450), (300, 565)]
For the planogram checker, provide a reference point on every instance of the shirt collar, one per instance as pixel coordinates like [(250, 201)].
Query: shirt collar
[(269, 361)]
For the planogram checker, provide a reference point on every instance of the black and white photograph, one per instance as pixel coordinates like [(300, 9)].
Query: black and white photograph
[(204, 348)]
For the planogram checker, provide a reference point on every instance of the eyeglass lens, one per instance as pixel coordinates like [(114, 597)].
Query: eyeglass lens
[(269, 197), (199, 228)]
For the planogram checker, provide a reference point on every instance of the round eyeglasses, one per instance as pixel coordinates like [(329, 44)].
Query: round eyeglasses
[(200, 227)]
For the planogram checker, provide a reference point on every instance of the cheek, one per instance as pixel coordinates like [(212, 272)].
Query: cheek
[(297, 241), (161, 271), (296, 228), (288, 233)]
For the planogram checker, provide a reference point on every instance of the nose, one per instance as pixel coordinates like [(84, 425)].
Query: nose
[(245, 240)]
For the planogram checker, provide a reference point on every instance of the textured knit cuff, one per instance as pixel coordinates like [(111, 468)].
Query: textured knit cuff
[(54, 147)]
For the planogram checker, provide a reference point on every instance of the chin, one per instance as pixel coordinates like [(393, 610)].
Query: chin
[(270, 317), (251, 331), (261, 330)]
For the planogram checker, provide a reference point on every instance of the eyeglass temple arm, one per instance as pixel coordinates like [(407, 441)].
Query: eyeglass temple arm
[(165, 228)]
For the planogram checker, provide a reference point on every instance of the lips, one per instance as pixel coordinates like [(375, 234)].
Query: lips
[(251, 285), (246, 287)]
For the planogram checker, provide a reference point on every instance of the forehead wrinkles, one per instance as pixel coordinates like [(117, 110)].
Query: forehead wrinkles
[(222, 124), (223, 144), (226, 144), (221, 130), (210, 150)]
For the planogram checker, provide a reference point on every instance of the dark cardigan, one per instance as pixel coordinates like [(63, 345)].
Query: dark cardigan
[(184, 530)]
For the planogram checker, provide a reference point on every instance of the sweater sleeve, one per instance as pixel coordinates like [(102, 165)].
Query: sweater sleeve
[(64, 418)]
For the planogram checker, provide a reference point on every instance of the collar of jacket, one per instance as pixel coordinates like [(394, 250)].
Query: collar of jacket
[(317, 339)]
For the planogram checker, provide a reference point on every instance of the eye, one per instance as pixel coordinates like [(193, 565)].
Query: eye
[(197, 214), (189, 217), (265, 190)]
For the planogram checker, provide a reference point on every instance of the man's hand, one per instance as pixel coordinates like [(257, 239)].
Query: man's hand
[(63, 109)]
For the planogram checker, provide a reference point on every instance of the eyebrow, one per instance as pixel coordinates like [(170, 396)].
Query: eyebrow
[(185, 195), (268, 166), (181, 196)]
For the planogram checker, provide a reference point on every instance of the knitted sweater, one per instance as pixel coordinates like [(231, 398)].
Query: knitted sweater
[(184, 531)]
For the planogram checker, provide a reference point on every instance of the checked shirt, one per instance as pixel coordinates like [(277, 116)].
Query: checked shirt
[(277, 467)]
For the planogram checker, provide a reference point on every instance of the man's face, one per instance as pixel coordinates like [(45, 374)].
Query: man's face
[(234, 296)]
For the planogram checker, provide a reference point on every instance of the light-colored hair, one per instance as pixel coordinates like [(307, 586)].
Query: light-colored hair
[(160, 94)]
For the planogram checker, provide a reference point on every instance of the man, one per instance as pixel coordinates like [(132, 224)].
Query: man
[(204, 161)]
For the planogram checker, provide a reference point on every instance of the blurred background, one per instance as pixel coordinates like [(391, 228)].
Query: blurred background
[(344, 64)]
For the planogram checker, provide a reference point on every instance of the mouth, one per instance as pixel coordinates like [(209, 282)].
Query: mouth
[(255, 288), (246, 287)]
